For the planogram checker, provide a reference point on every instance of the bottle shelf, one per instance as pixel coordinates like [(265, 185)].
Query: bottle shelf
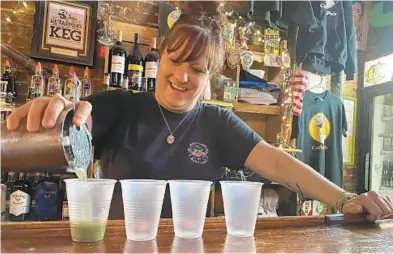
[(244, 107), (387, 118), (257, 109), (219, 103), (385, 135), (7, 109)]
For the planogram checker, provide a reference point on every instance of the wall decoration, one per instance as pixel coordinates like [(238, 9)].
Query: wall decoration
[(65, 31), (105, 32), (361, 11), (378, 71), (348, 144), (167, 14)]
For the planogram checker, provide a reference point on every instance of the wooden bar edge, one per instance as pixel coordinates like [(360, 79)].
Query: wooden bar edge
[(12, 230)]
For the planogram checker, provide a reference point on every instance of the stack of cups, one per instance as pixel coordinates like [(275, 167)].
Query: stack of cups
[(189, 204), (88, 203), (142, 200), (241, 200)]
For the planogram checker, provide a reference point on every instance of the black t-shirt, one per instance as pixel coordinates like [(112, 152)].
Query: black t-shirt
[(129, 136)]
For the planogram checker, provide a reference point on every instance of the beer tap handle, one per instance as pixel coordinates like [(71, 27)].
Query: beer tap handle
[(77, 85)]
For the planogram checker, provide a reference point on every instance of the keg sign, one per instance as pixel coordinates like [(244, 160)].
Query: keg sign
[(65, 31)]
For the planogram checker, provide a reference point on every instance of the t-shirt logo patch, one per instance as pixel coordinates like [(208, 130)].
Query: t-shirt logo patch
[(319, 128), (197, 152)]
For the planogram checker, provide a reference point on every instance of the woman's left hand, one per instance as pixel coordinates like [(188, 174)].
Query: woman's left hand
[(375, 205)]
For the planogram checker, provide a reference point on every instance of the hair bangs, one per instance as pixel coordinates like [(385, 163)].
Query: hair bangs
[(193, 42), (189, 40)]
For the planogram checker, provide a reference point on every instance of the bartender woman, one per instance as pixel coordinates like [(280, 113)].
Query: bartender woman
[(172, 135)]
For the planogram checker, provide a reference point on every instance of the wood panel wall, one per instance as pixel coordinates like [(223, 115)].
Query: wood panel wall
[(129, 16)]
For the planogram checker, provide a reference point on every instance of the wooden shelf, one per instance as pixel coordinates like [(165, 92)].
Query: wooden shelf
[(219, 103), (387, 118), (385, 135), (6, 108), (257, 109), (244, 107)]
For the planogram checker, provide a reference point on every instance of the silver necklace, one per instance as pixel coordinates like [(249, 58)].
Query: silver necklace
[(170, 139)]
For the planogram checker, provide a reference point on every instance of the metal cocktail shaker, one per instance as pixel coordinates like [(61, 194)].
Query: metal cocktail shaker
[(58, 149)]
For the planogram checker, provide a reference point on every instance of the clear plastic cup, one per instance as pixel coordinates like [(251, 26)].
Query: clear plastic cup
[(142, 200), (189, 203), (181, 245), (235, 244), (140, 246), (88, 205), (241, 200)]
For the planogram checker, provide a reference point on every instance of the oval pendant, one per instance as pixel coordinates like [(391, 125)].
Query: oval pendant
[(170, 139)]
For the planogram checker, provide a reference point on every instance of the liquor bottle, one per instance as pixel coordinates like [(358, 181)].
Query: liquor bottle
[(38, 176), (285, 57), (64, 213), (86, 84), (63, 201), (106, 82), (135, 66), (46, 205), (117, 60), (144, 84), (4, 179), (54, 83), (69, 84), (3, 201), (20, 199), (11, 86), (37, 86), (10, 182), (124, 85), (152, 60)]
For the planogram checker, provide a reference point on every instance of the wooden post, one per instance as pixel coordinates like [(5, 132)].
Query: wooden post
[(291, 40)]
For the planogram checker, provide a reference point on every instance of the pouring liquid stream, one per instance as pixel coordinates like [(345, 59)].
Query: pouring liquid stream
[(82, 176), (87, 228), (81, 173), (242, 176)]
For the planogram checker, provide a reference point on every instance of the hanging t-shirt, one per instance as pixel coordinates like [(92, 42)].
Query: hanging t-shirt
[(320, 129), (130, 139)]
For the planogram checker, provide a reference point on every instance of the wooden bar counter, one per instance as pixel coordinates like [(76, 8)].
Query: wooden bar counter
[(280, 234)]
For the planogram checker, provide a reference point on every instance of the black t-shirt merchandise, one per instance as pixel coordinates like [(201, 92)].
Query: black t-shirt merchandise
[(319, 131), (129, 136)]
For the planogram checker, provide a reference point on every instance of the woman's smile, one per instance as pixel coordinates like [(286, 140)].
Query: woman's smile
[(177, 88)]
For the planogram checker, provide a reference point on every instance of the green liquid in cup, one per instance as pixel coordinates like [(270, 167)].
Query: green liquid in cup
[(88, 231)]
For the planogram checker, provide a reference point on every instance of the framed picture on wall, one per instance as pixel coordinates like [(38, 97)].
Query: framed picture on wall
[(65, 31), (361, 10), (348, 144)]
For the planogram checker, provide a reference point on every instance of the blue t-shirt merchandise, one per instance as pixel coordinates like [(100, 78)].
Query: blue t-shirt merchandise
[(130, 137), (319, 131)]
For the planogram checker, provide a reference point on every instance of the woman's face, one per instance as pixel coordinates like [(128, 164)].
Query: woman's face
[(180, 84)]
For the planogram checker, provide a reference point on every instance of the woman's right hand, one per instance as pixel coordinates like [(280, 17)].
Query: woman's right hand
[(45, 111)]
